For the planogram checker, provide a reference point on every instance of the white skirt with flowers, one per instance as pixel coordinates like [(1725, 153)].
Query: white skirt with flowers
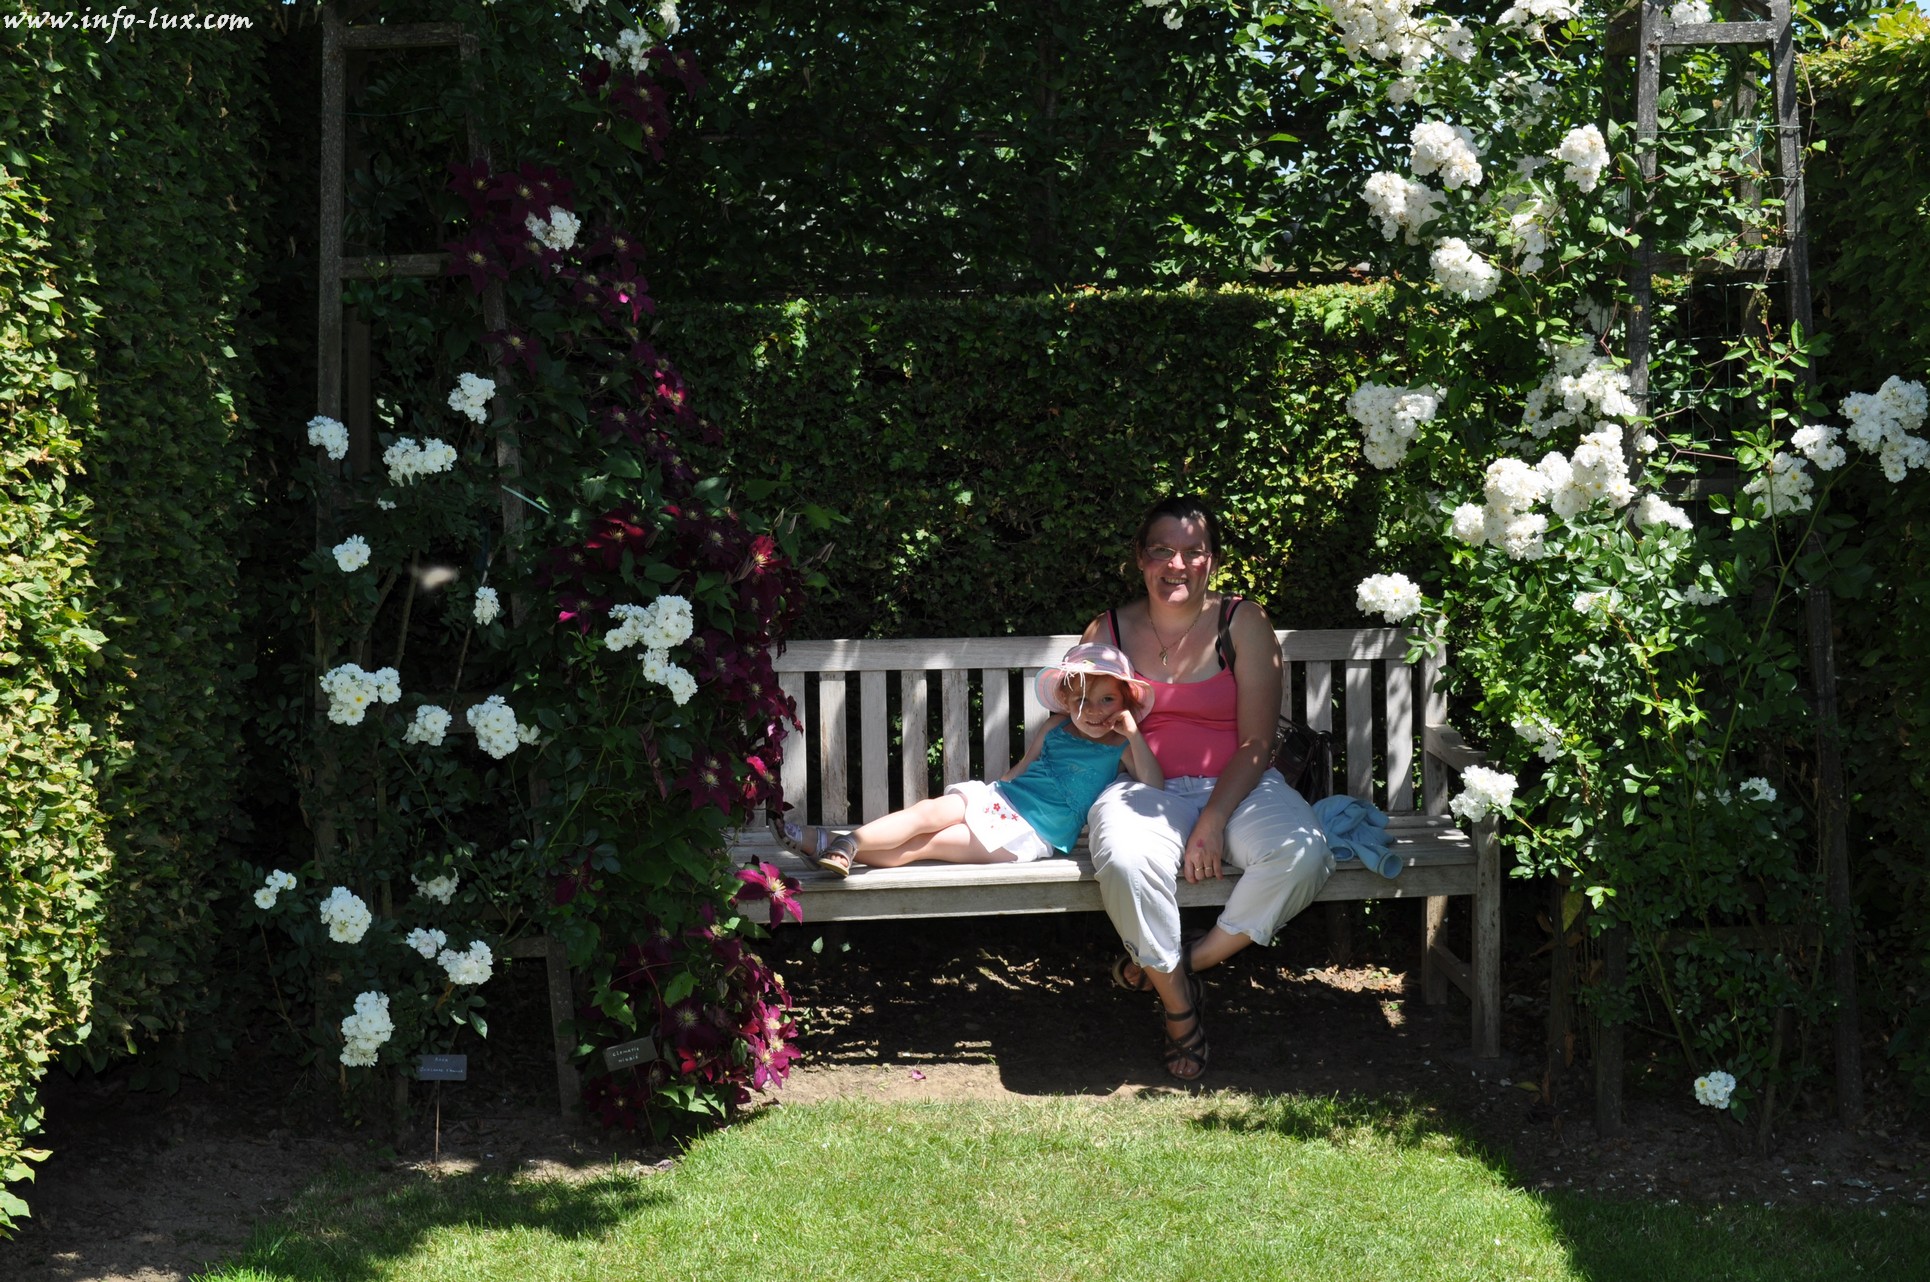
[(997, 825)]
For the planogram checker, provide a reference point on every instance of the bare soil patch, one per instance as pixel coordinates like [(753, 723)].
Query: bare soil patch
[(151, 1189)]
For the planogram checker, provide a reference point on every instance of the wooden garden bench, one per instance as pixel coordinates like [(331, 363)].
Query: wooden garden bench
[(859, 758)]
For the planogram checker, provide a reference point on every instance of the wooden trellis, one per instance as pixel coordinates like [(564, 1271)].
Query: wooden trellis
[(1656, 35), (343, 369)]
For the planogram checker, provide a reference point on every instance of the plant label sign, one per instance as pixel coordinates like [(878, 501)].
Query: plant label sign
[(626, 1054), (442, 1068)]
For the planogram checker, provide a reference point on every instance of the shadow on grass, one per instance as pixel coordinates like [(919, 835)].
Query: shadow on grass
[(357, 1227), (1345, 1120)]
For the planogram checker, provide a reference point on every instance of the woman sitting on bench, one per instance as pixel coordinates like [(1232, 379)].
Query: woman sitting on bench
[(1214, 666)]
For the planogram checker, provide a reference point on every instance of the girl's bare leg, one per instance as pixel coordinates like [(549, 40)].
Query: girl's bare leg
[(953, 845)]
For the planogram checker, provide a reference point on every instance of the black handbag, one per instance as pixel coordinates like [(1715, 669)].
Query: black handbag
[(1305, 759)]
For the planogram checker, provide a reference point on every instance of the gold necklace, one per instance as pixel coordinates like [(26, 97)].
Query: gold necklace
[(1163, 644)]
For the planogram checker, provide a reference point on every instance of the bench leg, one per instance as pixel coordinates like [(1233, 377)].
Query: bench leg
[(1487, 941), (562, 1012), (1434, 980)]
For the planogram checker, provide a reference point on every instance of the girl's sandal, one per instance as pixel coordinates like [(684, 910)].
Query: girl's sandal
[(837, 857), (791, 837)]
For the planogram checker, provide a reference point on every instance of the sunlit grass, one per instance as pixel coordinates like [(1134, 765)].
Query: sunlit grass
[(1221, 1187)]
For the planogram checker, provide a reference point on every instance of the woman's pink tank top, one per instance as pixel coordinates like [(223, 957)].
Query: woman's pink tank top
[(1194, 728)]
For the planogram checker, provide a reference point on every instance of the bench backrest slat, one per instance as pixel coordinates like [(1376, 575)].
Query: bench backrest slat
[(916, 780), (1360, 670), (834, 795), (1359, 749), (874, 756), (1400, 747)]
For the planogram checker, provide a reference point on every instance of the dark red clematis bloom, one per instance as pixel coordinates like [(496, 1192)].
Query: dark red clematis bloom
[(471, 182), (709, 782), (475, 258), (764, 881), (684, 68), (513, 346)]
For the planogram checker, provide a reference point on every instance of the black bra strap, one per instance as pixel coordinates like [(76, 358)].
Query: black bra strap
[(1223, 646), (1112, 619)]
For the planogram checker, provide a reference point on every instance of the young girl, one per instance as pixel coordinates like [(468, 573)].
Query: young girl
[(1040, 805)]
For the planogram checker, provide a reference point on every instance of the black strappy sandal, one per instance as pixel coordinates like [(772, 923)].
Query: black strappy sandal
[(1189, 1048)]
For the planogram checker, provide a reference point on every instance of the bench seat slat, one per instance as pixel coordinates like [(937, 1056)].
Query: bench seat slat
[(889, 653)]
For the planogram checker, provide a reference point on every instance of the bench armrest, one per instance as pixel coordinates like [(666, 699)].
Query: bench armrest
[(1444, 744)]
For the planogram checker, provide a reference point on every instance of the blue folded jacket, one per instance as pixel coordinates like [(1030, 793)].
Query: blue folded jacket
[(1357, 829)]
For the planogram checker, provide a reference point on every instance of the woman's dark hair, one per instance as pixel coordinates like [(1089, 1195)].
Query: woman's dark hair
[(1185, 507)]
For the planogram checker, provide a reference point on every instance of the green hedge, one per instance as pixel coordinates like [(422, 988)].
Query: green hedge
[(53, 855), (124, 365), (163, 236), (1869, 198), (990, 458)]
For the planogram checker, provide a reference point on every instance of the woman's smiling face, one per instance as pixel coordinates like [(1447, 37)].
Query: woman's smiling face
[(1179, 576)]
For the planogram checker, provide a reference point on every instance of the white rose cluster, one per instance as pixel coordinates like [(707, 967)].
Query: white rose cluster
[(1402, 205), (631, 50), (1539, 733), (1594, 473), (1585, 152), (1483, 791), (1580, 385), (430, 725), (330, 435), (351, 690), (472, 966), (1597, 607), (407, 460), (489, 606), (1388, 31), (440, 888), (276, 882), (1687, 13), (557, 232), (364, 1032), (1817, 443), (1437, 147), (472, 392), (1389, 417), (1716, 1088), (1698, 594), (1463, 272), (1757, 789), (1884, 424), (1535, 14), (1173, 18), (658, 667), (346, 916), (1392, 596), (494, 722), (1653, 510), (665, 622), (1784, 489), (352, 553), (426, 941), (1531, 225)]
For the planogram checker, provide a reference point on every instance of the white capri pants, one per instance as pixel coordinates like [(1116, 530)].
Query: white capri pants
[(1138, 839)]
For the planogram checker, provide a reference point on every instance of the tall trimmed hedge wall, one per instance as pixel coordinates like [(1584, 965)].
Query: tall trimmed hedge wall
[(1869, 199), (126, 185), (990, 458)]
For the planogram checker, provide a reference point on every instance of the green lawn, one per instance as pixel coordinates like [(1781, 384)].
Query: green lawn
[(1220, 1187)]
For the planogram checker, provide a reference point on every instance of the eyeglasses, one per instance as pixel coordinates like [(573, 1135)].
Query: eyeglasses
[(1160, 554)]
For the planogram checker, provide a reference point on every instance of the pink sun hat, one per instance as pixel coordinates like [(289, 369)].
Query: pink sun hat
[(1096, 659)]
